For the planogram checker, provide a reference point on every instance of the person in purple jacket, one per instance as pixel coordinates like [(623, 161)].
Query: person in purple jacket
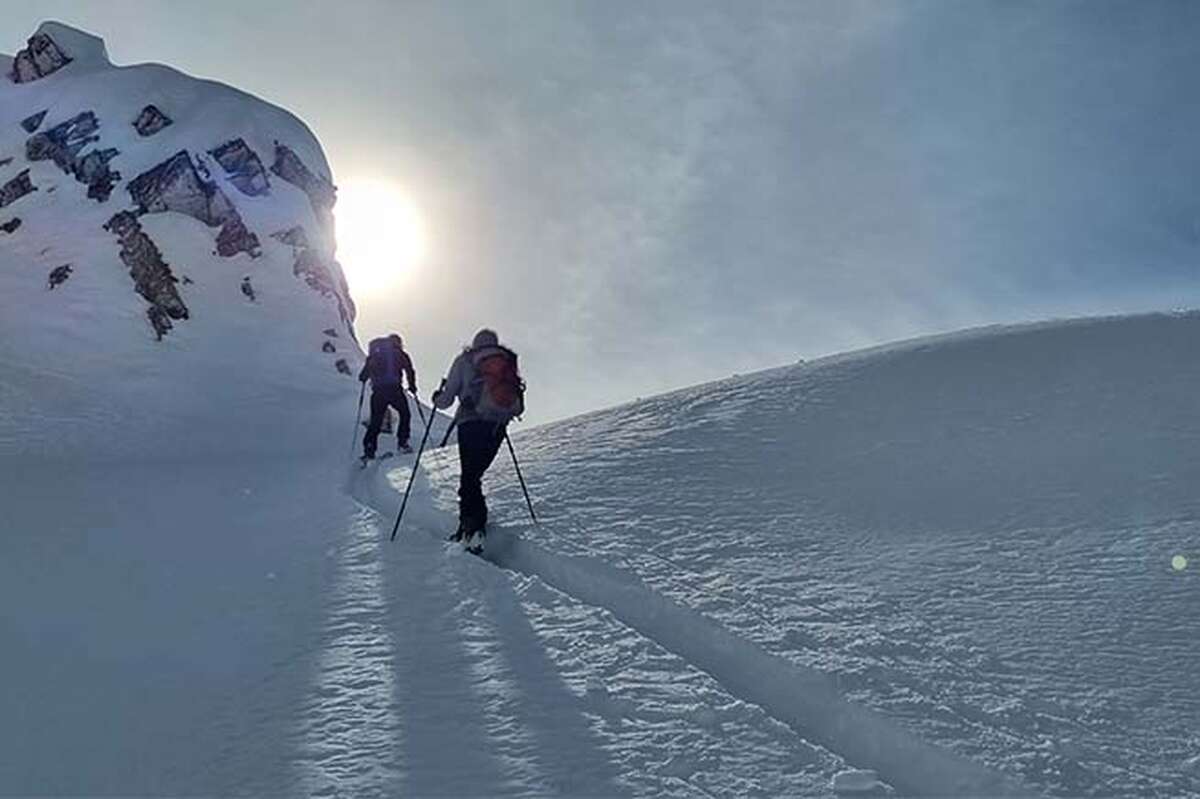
[(387, 364)]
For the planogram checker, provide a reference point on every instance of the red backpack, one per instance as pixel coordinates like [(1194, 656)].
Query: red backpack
[(497, 387)]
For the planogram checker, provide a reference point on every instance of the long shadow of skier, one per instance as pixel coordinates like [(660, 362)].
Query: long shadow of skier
[(568, 752), (569, 758), (441, 701), (445, 746)]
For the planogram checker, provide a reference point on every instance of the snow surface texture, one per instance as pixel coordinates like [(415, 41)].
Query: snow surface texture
[(940, 568), (972, 536), (956, 566), (80, 360)]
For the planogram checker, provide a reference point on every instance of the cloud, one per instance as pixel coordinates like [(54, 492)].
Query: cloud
[(665, 193)]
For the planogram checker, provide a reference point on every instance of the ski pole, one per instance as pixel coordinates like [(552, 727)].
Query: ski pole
[(412, 477), (362, 392), (520, 477), (449, 430), (420, 412)]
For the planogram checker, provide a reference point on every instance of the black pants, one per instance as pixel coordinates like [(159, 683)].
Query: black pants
[(478, 443), (381, 400)]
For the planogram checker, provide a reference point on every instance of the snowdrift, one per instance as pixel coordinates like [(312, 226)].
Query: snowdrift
[(943, 566), (972, 535), (1089, 420)]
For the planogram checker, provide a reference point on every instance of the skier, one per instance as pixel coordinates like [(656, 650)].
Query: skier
[(387, 363), (490, 392)]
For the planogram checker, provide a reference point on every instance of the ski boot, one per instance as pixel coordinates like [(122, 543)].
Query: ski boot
[(470, 535)]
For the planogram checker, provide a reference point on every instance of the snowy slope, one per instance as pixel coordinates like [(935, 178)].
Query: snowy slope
[(972, 536), (83, 356), (942, 566)]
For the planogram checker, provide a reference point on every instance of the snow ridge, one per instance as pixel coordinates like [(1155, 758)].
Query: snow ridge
[(802, 698)]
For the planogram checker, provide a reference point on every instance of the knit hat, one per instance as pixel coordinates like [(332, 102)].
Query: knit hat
[(485, 338)]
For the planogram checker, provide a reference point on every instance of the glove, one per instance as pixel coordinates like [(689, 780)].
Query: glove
[(412, 390), (436, 395), (362, 378)]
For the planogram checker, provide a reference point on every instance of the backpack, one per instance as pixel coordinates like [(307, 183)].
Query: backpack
[(496, 388), (383, 363)]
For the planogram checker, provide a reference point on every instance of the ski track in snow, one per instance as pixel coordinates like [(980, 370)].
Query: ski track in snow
[(971, 535), (826, 732), (946, 563), (427, 683)]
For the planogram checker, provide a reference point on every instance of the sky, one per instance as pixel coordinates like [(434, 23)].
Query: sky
[(646, 196)]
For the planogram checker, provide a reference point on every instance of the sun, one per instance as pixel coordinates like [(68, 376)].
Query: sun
[(380, 233)]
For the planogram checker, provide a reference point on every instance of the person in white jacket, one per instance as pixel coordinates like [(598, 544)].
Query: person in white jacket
[(485, 382)]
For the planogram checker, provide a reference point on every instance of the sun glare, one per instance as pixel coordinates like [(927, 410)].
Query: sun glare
[(380, 234)]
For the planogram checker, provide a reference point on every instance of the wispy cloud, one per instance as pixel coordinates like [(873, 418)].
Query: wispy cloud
[(647, 195)]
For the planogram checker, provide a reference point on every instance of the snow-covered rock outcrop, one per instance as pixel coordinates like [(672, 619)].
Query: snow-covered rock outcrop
[(159, 196), (40, 58)]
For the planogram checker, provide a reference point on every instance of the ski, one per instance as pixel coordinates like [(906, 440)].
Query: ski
[(364, 461)]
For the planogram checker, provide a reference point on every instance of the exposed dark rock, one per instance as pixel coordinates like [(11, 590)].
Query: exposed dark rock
[(321, 192), (93, 170), (346, 307), (202, 169), (328, 347), (248, 289), (33, 122), (187, 281), (5, 161), (325, 276), (235, 237), (64, 144), (176, 185), (40, 58), (64, 141), (329, 331), (11, 225), (294, 236), (322, 274), (342, 366), (16, 188), (242, 166), (151, 275), (160, 320), (151, 121), (311, 267), (59, 275)]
